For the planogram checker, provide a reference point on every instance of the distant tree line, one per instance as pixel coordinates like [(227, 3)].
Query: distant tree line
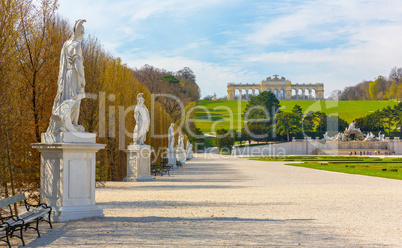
[(177, 92), (388, 119), (164, 84), (381, 88)]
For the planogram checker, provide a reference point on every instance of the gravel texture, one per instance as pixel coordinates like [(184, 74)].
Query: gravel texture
[(227, 202)]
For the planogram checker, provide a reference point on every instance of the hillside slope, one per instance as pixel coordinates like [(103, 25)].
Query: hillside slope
[(212, 115)]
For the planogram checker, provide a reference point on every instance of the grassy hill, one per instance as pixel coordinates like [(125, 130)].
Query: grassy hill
[(212, 115)]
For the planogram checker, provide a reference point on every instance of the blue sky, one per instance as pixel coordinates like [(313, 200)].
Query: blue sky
[(335, 42)]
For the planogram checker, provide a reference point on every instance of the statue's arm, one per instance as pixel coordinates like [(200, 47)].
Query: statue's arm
[(80, 69), (78, 64)]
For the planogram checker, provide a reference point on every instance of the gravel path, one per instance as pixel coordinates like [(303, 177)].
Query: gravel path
[(236, 202)]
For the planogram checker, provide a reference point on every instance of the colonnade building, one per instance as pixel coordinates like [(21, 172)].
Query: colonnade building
[(281, 87)]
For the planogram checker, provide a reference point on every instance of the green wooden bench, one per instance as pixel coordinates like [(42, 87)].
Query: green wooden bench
[(17, 223)]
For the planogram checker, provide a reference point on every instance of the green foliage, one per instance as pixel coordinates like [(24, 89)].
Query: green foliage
[(170, 79), (287, 123), (224, 138), (386, 96), (308, 122), (298, 111), (262, 107), (392, 90), (259, 131), (335, 123), (373, 90), (321, 119), (371, 122)]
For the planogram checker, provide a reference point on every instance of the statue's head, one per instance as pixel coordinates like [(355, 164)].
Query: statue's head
[(79, 29), (140, 99), (172, 125)]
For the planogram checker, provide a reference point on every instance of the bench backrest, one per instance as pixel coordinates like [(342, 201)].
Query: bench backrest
[(11, 200)]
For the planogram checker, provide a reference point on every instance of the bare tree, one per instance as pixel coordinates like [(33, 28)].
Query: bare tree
[(396, 74)]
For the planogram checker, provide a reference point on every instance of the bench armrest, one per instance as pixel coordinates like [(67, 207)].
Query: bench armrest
[(15, 218), (4, 224), (40, 206), (4, 219)]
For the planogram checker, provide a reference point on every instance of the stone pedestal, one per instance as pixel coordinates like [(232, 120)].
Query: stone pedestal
[(190, 155), (181, 155), (171, 156), (68, 177), (138, 163)]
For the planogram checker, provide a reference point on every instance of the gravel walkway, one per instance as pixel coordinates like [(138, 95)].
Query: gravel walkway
[(236, 202)]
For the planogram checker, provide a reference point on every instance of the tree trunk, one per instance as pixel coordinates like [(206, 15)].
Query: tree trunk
[(10, 169)]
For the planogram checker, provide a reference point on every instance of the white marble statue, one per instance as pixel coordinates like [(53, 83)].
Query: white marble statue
[(141, 116), (191, 147), (381, 137), (171, 136), (370, 137), (326, 137), (188, 146), (71, 84), (352, 126), (339, 137), (180, 142)]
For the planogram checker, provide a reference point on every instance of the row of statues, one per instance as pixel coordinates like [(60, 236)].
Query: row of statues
[(71, 90)]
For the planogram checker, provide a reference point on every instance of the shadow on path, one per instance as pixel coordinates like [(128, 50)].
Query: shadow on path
[(207, 232)]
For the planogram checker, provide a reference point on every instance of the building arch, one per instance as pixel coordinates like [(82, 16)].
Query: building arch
[(314, 93), (294, 93), (282, 93), (237, 94), (300, 93)]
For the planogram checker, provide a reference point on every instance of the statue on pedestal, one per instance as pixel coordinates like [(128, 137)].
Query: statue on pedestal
[(141, 116), (71, 84), (188, 145), (180, 142), (171, 151), (171, 136), (68, 153)]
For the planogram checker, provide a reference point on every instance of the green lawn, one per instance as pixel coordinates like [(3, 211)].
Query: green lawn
[(212, 115), (348, 110), (370, 166)]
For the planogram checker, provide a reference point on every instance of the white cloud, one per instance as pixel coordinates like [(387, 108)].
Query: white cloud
[(210, 76), (338, 42), (324, 20)]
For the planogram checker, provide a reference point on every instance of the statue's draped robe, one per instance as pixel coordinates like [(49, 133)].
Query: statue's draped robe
[(141, 116), (69, 92), (171, 137), (180, 143)]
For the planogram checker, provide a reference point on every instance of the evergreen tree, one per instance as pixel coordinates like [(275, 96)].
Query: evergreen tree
[(262, 107), (224, 138), (287, 123)]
